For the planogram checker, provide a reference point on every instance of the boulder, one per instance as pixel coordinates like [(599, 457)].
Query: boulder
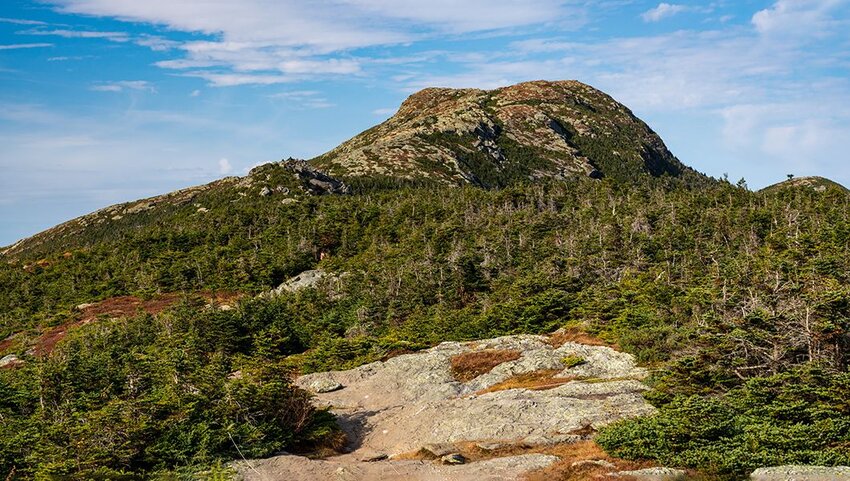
[(323, 384), (594, 462), (305, 280), (10, 361), (439, 450), (453, 459), (801, 473)]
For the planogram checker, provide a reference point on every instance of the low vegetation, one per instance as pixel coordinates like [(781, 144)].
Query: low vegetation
[(537, 380), (573, 361), (737, 300)]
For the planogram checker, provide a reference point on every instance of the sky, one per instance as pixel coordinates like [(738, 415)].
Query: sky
[(107, 101)]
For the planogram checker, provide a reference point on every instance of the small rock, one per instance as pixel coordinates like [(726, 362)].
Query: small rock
[(801, 473), (323, 384), (265, 192), (594, 462), (374, 458), (83, 306), (491, 446), (10, 361), (653, 474), (289, 200), (453, 459), (536, 440), (439, 450)]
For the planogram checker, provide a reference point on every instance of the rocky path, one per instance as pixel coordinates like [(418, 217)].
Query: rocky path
[(411, 418)]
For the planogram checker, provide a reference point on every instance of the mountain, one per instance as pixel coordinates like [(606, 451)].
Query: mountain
[(160, 339), (818, 184), (531, 131), (493, 138)]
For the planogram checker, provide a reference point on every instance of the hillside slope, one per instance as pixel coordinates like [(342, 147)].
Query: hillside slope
[(494, 138), (286, 181), (818, 184)]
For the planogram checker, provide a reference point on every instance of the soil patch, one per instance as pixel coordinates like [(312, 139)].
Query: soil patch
[(469, 365)]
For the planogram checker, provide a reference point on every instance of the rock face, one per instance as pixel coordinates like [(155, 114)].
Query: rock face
[(801, 473), (419, 392), (313, 180), (492, 138), (304, 280), (413, 403)]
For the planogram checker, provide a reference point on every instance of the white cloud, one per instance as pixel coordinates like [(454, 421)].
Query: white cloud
[(798, 17), (385, 112), (195, 93), (122, 85), (224, 166), (25, 45), (156, 43), (266, 42), (662, 11)]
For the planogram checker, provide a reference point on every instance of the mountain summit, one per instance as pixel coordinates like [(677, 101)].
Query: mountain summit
[(493, 138)]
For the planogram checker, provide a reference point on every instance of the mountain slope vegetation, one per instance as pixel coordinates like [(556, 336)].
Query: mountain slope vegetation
[(738, 301)]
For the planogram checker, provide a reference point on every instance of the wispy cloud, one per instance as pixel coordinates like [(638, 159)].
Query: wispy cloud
[(662, 11), (224, 166), (260, 42), (304, 98), (65, 33), (21, 21), (156, 43), (25, 45), (123, 85), (67, 58)]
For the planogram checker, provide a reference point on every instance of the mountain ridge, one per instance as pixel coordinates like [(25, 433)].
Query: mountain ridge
[(528, 132)]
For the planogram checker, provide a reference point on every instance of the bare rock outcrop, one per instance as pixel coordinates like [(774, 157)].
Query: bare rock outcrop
[(305, 280), (415, 403)]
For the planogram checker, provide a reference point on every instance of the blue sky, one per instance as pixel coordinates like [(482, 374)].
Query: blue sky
[(104, 101)]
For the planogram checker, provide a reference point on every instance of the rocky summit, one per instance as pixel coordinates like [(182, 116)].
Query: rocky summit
[(495, 137)]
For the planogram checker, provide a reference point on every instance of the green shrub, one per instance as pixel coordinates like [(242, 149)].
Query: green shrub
[(800, 417), (573, 361)]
